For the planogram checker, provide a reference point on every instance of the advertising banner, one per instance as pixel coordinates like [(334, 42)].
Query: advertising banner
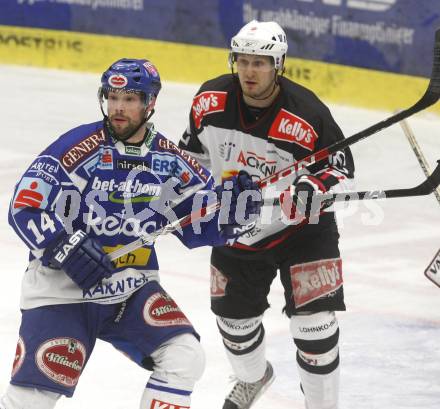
[(386, 35)]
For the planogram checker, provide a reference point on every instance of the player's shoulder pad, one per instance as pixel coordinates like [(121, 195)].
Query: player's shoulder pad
[(78, 144), (224, 82), (300, 96), (212, 97), (169, 151)]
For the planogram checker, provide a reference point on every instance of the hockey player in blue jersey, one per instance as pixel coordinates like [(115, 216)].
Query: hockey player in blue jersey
[(92, 191)]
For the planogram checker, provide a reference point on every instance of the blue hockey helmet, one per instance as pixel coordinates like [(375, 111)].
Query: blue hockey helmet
[(131, 75)]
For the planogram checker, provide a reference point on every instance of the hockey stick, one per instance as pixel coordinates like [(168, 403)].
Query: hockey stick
[(428, 186), (418, 152), (432, 272), (424, 188), (430, 97), (146, 239), (149, 238)]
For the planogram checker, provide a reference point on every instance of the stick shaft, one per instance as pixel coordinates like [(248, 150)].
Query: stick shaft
[(418, 152)]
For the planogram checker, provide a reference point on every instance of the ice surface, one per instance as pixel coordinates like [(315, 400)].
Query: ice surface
[(390, 335)]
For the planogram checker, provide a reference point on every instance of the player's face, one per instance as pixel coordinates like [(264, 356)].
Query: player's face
[(256, 74), (126, 111)]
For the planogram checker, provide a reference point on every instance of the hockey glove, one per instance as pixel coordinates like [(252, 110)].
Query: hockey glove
[(238, 212), (298, 201), (81, 257)]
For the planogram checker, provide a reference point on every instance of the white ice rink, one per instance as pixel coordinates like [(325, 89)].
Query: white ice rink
[(390, 334)]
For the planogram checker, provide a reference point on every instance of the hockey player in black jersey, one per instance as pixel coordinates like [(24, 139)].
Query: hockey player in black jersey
[(256, 120)]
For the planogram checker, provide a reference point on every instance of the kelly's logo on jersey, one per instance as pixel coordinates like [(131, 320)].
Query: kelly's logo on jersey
[(288, 127), (206, 103)]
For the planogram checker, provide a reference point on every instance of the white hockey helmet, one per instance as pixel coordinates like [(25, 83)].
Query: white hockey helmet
[(260, 38)]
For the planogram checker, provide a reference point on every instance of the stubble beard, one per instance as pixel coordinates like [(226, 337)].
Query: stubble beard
[(125, 132), (260, 95)]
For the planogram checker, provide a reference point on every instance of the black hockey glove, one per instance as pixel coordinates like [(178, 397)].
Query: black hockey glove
[(238, 213), (81, 257), (300, 202)]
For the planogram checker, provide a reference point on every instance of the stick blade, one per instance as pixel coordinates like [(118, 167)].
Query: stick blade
[(433, 181)]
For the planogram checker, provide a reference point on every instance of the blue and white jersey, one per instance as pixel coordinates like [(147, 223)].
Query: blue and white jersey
[(113, 191)]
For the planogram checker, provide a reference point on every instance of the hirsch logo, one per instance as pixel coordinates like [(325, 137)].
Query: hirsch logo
[(288, 127), (118, 81), (314, 280), (207, 103), (125, 164)]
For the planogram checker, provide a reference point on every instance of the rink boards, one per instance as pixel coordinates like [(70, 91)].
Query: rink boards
[(194, 64)]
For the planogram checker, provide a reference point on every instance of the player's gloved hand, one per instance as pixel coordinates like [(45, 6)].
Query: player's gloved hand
[(298, 201), (238, 213), (81, 257)]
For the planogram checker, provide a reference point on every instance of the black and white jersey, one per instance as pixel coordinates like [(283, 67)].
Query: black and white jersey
[(227, 136)]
